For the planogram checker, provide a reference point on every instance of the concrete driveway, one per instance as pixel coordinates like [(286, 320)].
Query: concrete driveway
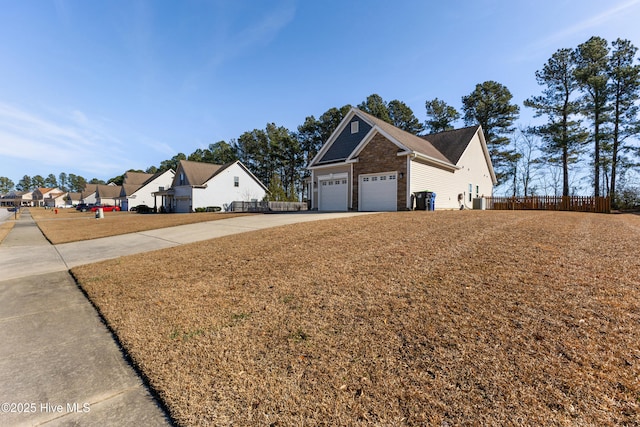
[(59, 363)]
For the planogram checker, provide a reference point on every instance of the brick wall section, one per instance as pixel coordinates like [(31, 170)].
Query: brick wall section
[(380, 155)]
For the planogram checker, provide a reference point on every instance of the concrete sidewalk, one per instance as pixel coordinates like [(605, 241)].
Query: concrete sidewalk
[(59, 365)]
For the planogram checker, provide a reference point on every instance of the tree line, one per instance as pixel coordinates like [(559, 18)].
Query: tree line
[(588, 101)]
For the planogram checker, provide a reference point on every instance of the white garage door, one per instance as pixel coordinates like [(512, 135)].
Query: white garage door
[(379, 192), (333, 195)]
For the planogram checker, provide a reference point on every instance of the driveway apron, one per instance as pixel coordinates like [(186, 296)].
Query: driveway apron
[(59, 364)]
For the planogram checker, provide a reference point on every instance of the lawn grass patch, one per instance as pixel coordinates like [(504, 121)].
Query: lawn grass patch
[(5, 228), (408, 318), (69, 225)]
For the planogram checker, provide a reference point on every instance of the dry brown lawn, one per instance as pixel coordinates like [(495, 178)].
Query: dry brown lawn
[(5, 228), (69, 225), (414, 318)]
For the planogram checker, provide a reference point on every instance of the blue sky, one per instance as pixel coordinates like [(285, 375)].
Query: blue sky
[(96, 88)]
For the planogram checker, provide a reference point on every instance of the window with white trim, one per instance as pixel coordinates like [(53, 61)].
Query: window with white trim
[(470, 192), (355, 127), (236, 181)]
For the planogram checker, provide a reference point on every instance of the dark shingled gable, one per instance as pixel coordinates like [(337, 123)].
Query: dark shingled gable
[(452, 143), (346, 142)]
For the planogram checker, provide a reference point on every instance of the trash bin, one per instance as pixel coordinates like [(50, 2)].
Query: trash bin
[(99, 213), (421, 200), (431, 201), (425, 200)]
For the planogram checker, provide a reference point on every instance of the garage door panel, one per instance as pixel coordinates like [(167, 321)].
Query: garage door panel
[(379, 192), (333, 195)]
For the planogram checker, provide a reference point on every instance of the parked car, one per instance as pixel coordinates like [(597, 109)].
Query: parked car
[(84, 207), (105, 208), (141, 209)]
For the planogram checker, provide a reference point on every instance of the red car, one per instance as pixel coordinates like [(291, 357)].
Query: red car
[(105, 208)]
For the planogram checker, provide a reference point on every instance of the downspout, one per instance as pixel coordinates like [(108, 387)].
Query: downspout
[(408, 176)]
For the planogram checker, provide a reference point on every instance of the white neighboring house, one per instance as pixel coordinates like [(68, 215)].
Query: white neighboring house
[(202, 185), (138, 188), (370, 165), (43, 196), (56, 199)]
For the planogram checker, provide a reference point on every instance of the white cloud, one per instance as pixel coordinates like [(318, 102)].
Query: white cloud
[(583, 26), (64, 142)]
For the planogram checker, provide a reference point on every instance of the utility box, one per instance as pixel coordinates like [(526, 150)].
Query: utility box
[(480, 203)]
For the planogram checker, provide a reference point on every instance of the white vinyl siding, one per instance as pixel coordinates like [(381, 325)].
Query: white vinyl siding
[(447, 185)]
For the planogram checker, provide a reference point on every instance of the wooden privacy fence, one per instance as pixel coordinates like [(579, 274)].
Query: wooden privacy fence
[(551, 203)]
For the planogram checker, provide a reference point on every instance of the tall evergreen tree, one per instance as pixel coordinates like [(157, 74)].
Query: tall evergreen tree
[(76, 183), (625, 91), (6, 185), (37, 181), (561, 134), (287, 156), (490, 106), (592, 74), (376, 106), (24, 184), (313, 133), (220, 153), (402, 117), (440, 116), (62, 180), (51, 181), (254, 151)]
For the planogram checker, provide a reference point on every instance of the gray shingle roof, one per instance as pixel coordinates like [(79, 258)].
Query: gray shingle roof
[(198, 173), (136, 178), (108, 191)]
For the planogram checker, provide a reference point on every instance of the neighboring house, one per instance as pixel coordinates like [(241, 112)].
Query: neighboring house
[(41, 194), (370, 165), (138, 188), (108, 194), (73, 199), (56, 199), (201, 185), (18, 198), (88, 195)]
